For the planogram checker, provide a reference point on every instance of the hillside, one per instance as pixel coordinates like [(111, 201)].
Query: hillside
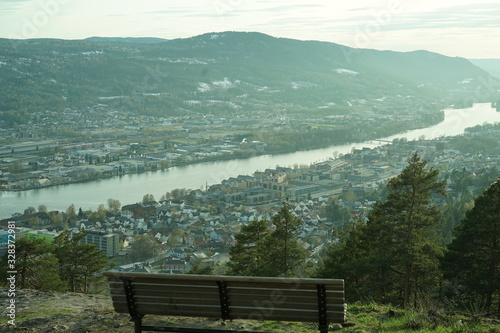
[(492, 66), (40, 312), (222, 74)]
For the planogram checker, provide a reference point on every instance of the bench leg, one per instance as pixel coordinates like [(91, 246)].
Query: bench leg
[(137, 325), (322, 312)]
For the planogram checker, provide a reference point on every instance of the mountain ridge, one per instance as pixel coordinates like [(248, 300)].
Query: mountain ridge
[(243, 71), (140, 40)]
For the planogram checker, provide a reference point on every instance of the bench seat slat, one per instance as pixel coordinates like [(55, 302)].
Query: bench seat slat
[(272, 296), (234, 299), (172, 301), (283, 299), (233, 304), (269, 292), (251, 298), (235, 313), (163, 311)]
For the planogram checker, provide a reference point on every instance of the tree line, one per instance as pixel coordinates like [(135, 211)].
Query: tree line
[(397, 255), (261, 252), (66, 264)]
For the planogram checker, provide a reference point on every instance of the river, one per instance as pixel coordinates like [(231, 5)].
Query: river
[(131, 188)]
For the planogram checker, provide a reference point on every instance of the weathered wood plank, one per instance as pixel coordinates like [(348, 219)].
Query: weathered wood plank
[(235, 313), (162, 288), (238, 303), (170, 294), (168, 311), (258, 294), (115, 276), (253, 298)]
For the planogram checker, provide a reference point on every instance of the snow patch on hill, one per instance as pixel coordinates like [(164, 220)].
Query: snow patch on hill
[(226, 83), (346, 71), (220, 84), (303, 84), (190, 61), (204, 87)]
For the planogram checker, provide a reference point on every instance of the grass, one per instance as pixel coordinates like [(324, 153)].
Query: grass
[(46, 313), (289, 327), (368, 318), (379, 318), (362, 318)]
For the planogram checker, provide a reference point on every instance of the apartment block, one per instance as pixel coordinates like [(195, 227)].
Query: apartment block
[(108, 243)]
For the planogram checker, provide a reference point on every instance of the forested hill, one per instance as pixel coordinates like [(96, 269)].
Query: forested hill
[(221, 73)]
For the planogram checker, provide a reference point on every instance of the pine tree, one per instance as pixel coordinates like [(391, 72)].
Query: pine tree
[(78, 262), (414, 222), (283, 254), (396, 252), (36, 265), (346, 259), (473, 258), (247, 256), (260, 253)]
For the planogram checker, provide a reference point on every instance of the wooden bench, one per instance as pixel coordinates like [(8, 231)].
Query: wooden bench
[(226, 297)]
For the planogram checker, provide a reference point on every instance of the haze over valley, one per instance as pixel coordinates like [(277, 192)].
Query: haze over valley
[(225, 73), (101, 100), (352, 141)]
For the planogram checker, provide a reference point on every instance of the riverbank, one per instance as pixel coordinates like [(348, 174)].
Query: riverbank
[(131, 188), (33, 181), (72, 163)]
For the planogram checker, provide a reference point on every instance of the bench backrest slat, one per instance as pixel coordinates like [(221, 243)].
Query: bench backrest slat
[(236, 313), (190, 279), (178, 291), (249, 298), (238, 303)]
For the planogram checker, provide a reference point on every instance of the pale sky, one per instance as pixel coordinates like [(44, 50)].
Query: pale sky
[(464, 28)]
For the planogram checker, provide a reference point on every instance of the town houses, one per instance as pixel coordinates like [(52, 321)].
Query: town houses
[(198, 227)]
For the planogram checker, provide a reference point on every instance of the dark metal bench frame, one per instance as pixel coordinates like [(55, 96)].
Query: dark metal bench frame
[(225, 308)]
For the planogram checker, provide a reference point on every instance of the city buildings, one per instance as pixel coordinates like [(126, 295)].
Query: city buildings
[(108, 243)]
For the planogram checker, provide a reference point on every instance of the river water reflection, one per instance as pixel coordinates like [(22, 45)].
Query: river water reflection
[(131, 188)]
